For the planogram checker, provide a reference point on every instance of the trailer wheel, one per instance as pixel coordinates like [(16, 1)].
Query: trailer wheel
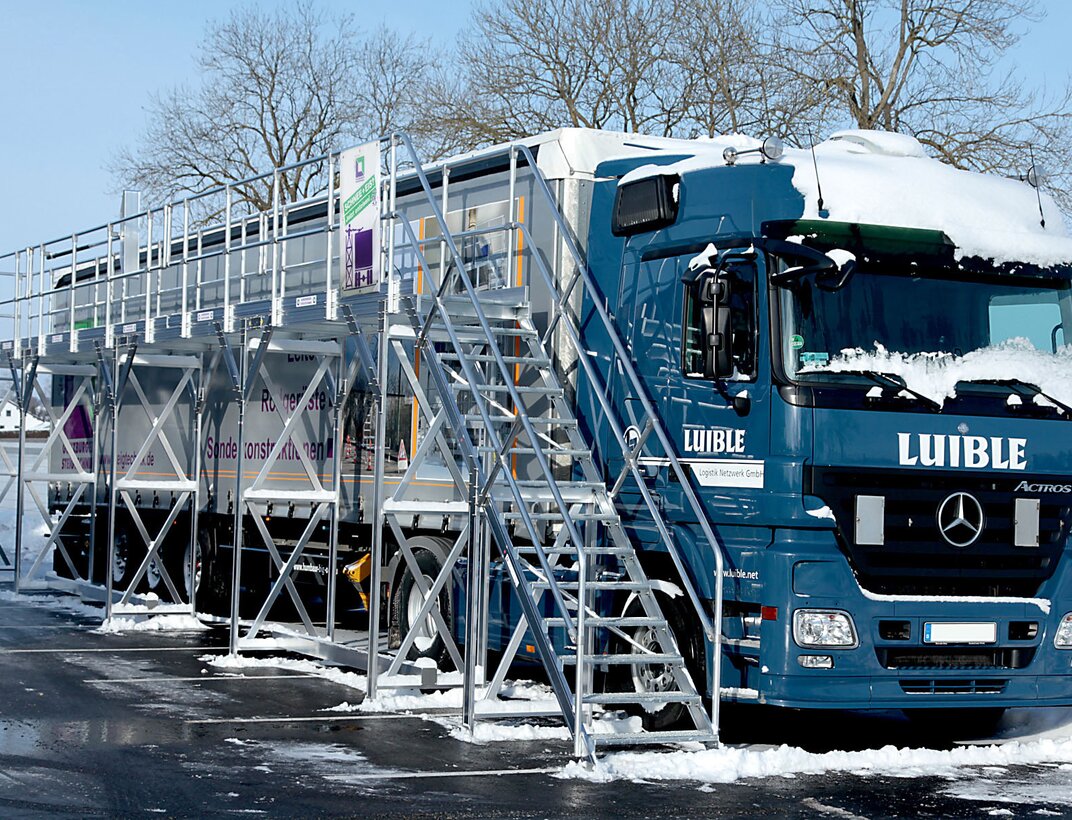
[(191, 570), (406, 604), (122, 565), (658, 677), (212, 578), (153, 575)]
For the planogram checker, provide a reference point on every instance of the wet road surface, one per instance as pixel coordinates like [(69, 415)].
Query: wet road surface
[(136, 725)]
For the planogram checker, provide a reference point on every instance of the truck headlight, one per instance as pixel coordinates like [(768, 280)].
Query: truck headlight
[(828, 627), (1063, 638)]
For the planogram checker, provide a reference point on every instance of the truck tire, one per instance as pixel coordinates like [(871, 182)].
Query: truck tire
[(191, 571), (406, 603), (122, 565), (213, 590), (658, 677)]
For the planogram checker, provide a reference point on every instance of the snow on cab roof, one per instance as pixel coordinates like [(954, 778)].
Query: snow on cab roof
[(879, 178)]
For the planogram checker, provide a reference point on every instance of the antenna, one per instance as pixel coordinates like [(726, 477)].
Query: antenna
[(818, 184), (1034, 175)]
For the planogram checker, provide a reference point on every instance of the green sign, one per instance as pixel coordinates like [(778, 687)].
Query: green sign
[(359, 200)]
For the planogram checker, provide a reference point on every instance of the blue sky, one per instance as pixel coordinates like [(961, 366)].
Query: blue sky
[(76, 77)]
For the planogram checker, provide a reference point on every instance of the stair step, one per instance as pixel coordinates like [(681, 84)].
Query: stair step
[(624, 586), (557, 516), (473, 328), (574, 492), (651, 738), (506, 388), (608, 550), (559, 623), (628, 659), (572, 452), (615, 698), (486, 357), (542, 421)]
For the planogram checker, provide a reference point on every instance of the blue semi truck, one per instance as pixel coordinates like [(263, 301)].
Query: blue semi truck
[(824, 393)]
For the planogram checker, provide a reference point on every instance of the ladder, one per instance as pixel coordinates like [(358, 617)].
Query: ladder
[(556, 526)]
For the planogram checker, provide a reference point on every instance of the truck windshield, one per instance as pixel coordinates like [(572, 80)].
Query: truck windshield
[(908, 322)]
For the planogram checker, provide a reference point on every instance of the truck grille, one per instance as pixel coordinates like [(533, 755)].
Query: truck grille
[(979, 686), (916, 560), (973, 658)]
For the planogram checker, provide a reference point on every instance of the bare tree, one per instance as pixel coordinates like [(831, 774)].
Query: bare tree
[(662, 67), (928, 68), (277, 88), (733, 85), (531, 65)]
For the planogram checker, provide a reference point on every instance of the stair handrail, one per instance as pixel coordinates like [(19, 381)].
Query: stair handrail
[(713, 629)]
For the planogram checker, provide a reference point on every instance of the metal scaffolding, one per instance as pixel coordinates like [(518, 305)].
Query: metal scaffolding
[(154, 293)]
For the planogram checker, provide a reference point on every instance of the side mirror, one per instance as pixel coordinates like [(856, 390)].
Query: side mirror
[(715, 297), (833, 280)]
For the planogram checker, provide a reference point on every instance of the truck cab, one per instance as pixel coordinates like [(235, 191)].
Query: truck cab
[(871, 391)]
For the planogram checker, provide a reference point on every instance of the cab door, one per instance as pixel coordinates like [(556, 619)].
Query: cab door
[(718, 422)]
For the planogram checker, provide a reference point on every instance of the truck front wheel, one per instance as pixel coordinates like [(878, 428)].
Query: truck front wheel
[(657, 677)]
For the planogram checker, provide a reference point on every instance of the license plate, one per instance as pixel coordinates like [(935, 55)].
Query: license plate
[(960, 633)]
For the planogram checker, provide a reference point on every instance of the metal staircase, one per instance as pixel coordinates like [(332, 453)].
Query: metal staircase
[(533, 482)]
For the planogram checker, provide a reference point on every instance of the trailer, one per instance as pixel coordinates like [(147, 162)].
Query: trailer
[(646, 412)]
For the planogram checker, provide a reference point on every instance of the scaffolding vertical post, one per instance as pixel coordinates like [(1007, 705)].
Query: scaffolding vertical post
[(113, 415), (472, 604), (195, 498), (227, 260), (20, 395), (341, 390), (98, 405), (185, 320), (239, 507), (72, 336), (580, 749), (378, 495), (148, 281), (330, 298)]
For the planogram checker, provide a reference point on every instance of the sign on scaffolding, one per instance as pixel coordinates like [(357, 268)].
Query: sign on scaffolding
[(359, 190)]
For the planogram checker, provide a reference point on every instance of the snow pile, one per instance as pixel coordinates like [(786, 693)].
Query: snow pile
[(519, 732), (153, 623), (935, 375), (239, 662), (727, 765)]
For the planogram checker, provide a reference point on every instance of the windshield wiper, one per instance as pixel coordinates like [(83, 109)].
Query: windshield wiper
[(887, 380), (1024, 390)]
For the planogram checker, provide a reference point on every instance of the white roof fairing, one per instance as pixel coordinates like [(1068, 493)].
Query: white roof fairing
[(879, 178)]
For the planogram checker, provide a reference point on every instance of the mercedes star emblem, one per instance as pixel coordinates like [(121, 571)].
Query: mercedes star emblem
[(960, 519)]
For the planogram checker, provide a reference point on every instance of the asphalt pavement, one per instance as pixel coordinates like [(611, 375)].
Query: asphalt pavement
[(137, 725)]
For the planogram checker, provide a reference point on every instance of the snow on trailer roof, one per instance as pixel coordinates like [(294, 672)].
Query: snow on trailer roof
[(880, 178)]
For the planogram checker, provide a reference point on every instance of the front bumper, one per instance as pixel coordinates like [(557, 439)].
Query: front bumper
[(1022, 667)]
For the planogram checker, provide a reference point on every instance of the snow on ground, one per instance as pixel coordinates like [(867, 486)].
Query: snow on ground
[(151, 623), (729, 764), (239, 662)]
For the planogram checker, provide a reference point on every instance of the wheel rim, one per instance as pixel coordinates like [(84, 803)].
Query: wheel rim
[(152, 574), (119, 562), (650, 677), (194, 587), (426, 631)]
